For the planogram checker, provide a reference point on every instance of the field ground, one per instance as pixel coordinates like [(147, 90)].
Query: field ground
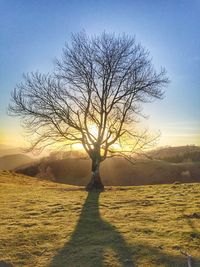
[(48, 224)]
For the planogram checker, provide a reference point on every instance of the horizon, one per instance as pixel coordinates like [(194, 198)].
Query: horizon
[(33, 35)]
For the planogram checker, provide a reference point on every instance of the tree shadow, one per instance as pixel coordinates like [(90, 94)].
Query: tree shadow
[(94, 240)]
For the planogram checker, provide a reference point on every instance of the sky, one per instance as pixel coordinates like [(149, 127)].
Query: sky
[(33, 33)]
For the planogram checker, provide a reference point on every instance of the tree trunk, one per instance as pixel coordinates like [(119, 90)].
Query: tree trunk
[(95, 183)]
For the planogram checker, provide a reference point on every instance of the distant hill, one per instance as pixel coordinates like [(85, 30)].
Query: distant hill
[(10, 162), (169, 165), (9, 150), (115, 171), (167, 152)]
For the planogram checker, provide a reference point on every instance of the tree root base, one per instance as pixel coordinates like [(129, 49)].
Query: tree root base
[(95, 186)]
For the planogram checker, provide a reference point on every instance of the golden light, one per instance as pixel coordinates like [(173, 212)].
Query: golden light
[(116, 147), (78, 146), (93, 130), (94, 133)]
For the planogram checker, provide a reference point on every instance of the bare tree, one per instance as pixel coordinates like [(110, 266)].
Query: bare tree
[(94, 98)]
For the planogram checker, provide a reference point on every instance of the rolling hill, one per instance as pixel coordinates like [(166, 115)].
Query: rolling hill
[(10, 162), (169, 152), (115, 171), (55, 225)]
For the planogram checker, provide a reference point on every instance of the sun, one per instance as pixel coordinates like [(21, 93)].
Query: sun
[(116, 147), (93, 130), (77, 146)]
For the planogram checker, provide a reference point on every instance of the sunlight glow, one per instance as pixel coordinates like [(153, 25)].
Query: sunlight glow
[(78, 147), (94, 133), (116, 147), (93, 130)]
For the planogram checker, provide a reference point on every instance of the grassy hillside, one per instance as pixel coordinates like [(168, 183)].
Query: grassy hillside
[(10, 162), (50, 224), (115, 171)]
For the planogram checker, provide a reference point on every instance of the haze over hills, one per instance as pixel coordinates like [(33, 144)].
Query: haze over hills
[(9, 150), (10, 162), (169, 165), (118, 171), (166, 152)]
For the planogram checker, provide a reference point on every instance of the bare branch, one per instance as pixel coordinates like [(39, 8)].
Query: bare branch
[(100, 83)]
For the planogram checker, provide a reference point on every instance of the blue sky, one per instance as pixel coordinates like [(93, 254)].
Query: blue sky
[(32, 34)]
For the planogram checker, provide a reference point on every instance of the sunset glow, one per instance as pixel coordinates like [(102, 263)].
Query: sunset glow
[(177, 116), (93, 130)]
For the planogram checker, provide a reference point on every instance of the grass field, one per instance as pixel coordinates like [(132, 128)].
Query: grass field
[(49, 224)]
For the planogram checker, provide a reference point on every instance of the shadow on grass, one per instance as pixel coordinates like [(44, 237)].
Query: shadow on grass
[(96, 242)]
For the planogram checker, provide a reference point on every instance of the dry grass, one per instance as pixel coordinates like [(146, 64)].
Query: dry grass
[(49, 224)]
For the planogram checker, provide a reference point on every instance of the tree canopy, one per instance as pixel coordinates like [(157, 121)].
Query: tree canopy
[(93, 97)]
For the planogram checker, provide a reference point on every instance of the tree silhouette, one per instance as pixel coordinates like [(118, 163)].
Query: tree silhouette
[(93, 97)]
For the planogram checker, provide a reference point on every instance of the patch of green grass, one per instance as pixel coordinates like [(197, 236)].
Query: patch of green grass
[(49, 224)]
